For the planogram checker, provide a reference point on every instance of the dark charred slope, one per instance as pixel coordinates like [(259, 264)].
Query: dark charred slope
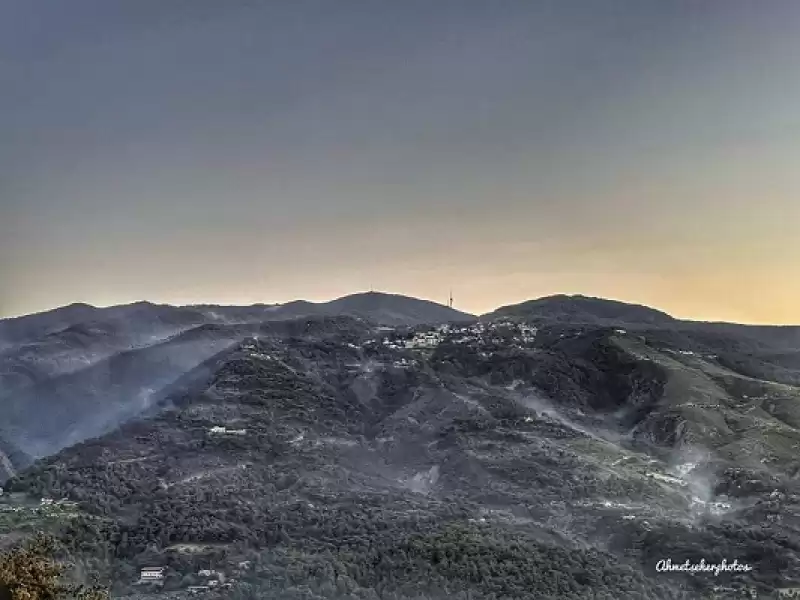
[(578, 368), (360, 471), (54, 412), (75, 348), (98, 334), (59, 411), (659, 388), (44, 413), (322, 507)]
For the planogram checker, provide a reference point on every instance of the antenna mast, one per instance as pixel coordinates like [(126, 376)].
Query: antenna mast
[(451, 298)]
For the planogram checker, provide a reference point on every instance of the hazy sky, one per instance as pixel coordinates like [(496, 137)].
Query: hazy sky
[(239, 151)]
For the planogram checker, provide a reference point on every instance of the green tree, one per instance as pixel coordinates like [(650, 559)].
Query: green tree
[(30, 572)]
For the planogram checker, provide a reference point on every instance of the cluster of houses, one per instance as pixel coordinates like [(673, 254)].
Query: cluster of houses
[(429, 339), (60, 502), (212, 579), (520, 331), (45, 504), (496, 332)]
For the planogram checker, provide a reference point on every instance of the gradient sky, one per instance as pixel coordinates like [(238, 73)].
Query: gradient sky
[(238, 151)]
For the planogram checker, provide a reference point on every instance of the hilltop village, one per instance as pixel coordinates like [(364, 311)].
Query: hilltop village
[(504, 332)]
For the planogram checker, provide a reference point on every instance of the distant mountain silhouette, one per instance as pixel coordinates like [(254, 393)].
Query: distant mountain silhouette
[(381, 308), (583, 309), (19, 329)]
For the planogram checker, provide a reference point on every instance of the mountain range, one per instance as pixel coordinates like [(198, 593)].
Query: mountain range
[(94, 367), (380, 446), (388, 309)]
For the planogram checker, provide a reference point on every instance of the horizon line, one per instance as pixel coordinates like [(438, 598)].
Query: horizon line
[(386, 293)]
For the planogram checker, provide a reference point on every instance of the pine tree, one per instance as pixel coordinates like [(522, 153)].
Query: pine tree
[(31, 573)]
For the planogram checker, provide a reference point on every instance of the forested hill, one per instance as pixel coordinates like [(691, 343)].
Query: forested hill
[(328, 459), (582, 309)]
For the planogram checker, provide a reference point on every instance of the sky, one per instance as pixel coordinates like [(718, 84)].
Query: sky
[(233, 151)]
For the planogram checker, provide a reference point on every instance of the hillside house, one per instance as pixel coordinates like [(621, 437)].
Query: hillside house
[(218, 430), (197, 589), (151, 575), (213, 577), (739, 592)]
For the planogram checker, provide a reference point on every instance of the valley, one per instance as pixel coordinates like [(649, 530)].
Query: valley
[(503, 457)]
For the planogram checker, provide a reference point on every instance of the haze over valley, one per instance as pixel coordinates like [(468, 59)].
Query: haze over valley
[(584, 384), (558, 448)]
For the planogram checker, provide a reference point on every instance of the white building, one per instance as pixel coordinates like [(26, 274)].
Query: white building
[(151, 574), (196, 589), (223, 430)]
